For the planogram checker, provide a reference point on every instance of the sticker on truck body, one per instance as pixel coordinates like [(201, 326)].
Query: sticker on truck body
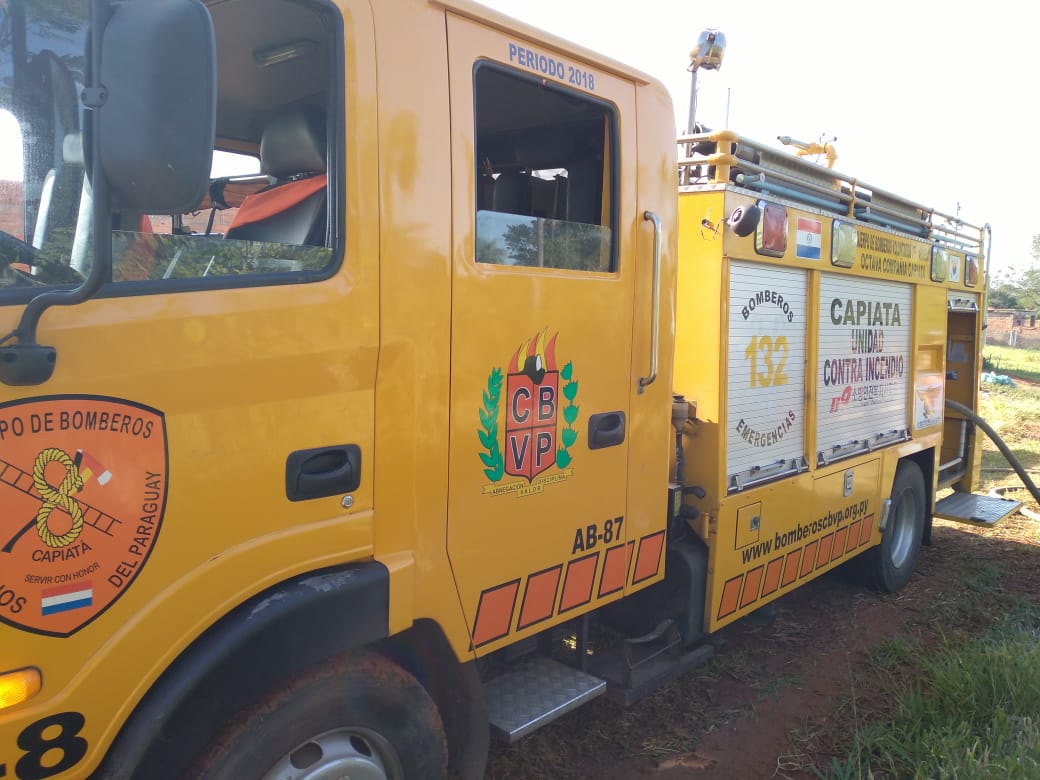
[(536, 405), (863, 364), (766, 373), (83, 485)]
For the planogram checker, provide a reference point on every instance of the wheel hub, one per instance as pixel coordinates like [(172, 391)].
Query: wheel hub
[(902, 529), (343, 754)]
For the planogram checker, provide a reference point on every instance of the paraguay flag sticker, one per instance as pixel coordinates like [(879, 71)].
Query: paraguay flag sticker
[(809, 234), (76, 596)]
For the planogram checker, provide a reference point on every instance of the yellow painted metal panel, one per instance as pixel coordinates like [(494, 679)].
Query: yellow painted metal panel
[(508, 527), (413, 206), (807, 525), (699, 319), (652, 438), (749, 525)]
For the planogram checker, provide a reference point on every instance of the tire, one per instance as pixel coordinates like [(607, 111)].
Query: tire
[(358, 716), (889, 566)]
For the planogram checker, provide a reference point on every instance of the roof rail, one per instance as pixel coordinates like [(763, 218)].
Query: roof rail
[(723, 157)]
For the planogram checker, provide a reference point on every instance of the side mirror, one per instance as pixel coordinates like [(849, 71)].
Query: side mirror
[(158, 114)]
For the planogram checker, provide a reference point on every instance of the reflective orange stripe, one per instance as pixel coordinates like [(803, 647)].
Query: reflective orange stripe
[(495, 613), (577, 583), (539, 597)]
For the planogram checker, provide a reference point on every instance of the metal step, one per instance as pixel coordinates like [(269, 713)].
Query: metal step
[(535, 693), (975, 509)]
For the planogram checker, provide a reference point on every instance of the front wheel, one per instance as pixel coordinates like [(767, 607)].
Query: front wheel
[(888, 566), (358, 716)]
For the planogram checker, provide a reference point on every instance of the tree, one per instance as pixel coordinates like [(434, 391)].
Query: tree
[(1003, 291), (489, 252), (522, 242), (1017, 289), (1030, 280), (558, 244)]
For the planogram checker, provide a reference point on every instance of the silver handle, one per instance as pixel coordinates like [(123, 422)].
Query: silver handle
[(655, 306)]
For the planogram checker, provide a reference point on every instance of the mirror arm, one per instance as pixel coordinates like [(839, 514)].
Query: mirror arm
[(26, 362)]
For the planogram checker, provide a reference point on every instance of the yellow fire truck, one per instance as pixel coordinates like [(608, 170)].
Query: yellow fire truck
[(458, 419)]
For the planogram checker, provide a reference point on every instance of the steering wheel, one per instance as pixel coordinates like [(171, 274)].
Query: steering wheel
[(14, 250), (25, 265)]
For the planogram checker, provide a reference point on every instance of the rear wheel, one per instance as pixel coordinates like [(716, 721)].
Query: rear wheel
[(889, 566), (357, 716)]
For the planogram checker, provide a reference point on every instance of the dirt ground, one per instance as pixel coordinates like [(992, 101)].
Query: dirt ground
[(778, 693)]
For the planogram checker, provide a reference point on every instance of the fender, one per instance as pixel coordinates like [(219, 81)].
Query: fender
[(290, 626)]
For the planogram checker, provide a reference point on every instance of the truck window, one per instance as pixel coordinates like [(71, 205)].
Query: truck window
[(43, 178), (233, 176), (12, 218), (265, 217), (266, 211), (545, 189)]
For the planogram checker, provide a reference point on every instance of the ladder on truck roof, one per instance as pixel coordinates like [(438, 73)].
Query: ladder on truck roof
[(722, 157)]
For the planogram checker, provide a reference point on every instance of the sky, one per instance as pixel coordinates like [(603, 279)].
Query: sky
[(933, 101)]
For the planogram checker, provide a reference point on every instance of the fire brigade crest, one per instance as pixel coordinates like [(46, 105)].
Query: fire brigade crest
[(83, 490), (536, 405)]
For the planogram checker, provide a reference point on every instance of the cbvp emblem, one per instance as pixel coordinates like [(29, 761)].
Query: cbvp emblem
[(540, 413), (83, 489)]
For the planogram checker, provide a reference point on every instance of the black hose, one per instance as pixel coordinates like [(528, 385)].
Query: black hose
[(1008, 455)]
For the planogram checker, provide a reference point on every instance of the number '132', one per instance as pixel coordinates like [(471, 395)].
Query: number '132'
[(769, 355)]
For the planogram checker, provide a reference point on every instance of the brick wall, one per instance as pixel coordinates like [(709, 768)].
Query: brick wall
[(11, 217), (1013, 327), (196, 222)]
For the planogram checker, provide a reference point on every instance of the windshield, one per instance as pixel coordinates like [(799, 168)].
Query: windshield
[(43, 187)]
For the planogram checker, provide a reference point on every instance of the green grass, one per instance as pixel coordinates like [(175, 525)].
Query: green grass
[(1014, 412), (967, 706), (1012, 361), (968, 709)]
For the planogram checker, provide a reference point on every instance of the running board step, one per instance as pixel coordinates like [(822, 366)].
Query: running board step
[(535, 693), (975, 509)]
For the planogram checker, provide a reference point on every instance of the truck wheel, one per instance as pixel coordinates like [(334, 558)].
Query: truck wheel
[(890, 564), (357, 716)]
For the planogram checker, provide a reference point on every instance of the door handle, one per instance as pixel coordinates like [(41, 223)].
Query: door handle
[(323, 471), (606, 429), (655, 302)]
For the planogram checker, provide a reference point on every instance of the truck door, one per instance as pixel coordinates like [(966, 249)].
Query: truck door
[(544, 223), (216, 403)]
